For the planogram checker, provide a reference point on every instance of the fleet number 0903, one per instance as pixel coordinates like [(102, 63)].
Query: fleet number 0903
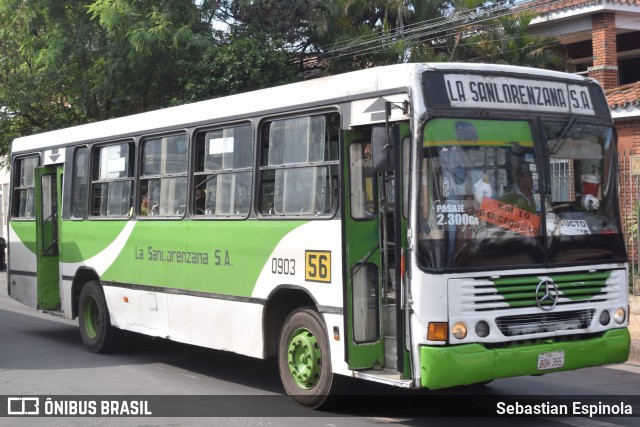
[(283, 266)]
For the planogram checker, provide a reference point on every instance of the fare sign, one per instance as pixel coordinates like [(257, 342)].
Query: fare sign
[(509, 217), (480, 91)]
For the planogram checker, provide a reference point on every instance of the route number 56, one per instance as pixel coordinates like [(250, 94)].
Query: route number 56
[(317, 266)]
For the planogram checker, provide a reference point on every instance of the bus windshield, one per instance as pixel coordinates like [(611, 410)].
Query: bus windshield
[(493, 195)]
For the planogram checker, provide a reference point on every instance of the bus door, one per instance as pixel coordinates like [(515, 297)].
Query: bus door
[(47, 226), (364, 340)]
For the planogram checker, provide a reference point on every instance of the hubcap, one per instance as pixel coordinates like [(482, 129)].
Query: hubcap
[(91, 318), (304, 358)]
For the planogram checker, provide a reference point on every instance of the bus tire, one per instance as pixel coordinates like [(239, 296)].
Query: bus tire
[(304, 360), (97, 334)]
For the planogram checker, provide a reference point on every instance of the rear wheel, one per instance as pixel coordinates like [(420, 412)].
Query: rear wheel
[(304, 360), (97, 334)]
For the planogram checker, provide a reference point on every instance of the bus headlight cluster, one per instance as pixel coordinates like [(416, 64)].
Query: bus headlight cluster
[(605, 318), (620, 316), (459, 330)]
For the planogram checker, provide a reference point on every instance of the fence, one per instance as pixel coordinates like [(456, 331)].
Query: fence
[(630, 210)]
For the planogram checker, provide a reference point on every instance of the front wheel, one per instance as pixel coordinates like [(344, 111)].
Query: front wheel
[(97, 334), (304, 360)]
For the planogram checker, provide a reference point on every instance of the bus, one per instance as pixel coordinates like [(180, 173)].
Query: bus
[(419, 225)]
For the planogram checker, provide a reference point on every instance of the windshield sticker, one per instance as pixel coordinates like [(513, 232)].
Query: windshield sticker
[(477, 133), (453, 214), (570, 227), (509, 217)]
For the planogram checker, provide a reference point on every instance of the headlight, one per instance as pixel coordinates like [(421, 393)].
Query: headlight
[(482, 329), (459, 330), (605, 318), (620, 316)]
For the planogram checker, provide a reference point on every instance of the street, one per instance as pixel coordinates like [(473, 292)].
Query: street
[(43, 356)]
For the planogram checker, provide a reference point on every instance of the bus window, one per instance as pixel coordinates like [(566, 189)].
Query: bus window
[(163, 181), (112, 184), (581, 208), (24, 191), (299, 166), (362, 181), (80, 184), (223, 176)]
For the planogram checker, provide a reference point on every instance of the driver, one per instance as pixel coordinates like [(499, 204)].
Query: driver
[(522, 194)]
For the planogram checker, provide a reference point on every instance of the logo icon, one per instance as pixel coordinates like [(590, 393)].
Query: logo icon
[(547, 294), (23, 406)]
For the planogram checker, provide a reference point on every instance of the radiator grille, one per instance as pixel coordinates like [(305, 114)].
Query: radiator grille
[(544, 322), (520, 291)]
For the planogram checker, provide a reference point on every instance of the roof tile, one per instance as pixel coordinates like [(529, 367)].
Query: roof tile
[(622, 96), (546, 6)]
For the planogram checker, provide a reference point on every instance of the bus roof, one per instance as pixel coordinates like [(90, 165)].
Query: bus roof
[(342, 87)]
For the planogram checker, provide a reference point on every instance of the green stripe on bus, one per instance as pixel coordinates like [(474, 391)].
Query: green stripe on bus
[(224, 257)]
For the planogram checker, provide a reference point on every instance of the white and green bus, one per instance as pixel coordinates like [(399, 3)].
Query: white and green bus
[(419, 225)]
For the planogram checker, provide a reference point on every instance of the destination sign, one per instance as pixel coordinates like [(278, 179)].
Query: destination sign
[(480, 91)]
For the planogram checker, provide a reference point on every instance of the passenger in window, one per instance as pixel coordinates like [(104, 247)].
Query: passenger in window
[(200, 199), (146, 205)]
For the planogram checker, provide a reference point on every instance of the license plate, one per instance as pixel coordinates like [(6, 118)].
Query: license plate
[(551, 360)]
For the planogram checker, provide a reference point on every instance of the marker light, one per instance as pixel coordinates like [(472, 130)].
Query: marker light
[(459, 330), (482, 329), (437, 331), (620, 316), (605, 318)]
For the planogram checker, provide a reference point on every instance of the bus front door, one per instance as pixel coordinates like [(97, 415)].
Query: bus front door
[(365, 344), (47, 252)]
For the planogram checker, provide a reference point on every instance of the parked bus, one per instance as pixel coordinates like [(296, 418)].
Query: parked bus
[(418, 225)]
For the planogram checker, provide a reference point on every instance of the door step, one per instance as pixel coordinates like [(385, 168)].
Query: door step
[(384, 376), (56, 313)]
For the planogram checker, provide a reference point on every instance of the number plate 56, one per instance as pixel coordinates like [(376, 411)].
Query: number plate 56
[(317, 266)]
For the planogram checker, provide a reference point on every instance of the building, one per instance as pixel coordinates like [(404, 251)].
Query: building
[(602, 38)]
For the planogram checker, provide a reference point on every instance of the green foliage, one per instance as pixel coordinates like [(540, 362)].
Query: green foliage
[(249, 61), (67, 62)]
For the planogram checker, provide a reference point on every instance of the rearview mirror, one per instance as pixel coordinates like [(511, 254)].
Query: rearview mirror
[(383, 148)]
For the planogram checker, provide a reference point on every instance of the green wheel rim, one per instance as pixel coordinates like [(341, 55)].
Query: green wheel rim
[(91, 317), (304, 358)]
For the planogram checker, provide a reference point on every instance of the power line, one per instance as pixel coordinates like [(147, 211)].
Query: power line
[(434, 27)]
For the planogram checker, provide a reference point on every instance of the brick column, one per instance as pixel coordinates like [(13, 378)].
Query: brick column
[(605, 58)]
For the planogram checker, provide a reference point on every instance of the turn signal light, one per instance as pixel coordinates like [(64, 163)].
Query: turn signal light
[(438, 331)]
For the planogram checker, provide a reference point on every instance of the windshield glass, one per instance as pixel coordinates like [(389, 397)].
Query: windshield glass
[(489, 197)]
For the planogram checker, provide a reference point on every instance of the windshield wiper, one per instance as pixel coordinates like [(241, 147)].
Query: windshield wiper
[(562, 137)]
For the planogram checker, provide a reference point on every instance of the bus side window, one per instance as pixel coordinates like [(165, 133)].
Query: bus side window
[(24, 187), (224, 174), (163, 180), (80, 183), (299, 166), (112, 180), (361, 181)]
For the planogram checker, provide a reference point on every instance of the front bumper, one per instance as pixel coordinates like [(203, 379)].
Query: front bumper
[(473, 363)]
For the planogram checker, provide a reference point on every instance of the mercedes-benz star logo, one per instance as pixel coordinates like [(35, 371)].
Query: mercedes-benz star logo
[(546, 294)]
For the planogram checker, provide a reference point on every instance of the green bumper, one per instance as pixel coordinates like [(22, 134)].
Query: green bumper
[(473, 363)]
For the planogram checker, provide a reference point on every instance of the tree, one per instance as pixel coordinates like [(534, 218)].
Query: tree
[(247, 61), (67, 62), (509, 42)]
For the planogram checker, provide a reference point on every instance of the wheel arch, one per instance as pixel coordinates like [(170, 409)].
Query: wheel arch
[(82, 277), (282, 301)]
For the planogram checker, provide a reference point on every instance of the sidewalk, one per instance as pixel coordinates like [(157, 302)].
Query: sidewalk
[(634, 329)]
